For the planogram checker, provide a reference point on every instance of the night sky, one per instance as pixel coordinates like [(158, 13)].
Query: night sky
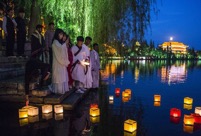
[(180, 19)]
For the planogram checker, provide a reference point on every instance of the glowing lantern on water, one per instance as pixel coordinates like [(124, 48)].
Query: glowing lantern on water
[(175, 120), (188, 107), (46, 109), (95, 119), (58, 109), (47, 116), (111, 98), (117, 91), (58, 116), (93, 105), (188, 100), (197, 118), (174, 112), (157, 98), (23, 113), (24, 121), (33, 111), (33, 119), (198, 110), (188, 129), (188, 120), (157, 104), (128, 91), (130, 125), (125, 94), (94, 112)]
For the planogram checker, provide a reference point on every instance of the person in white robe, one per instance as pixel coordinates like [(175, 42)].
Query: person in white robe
[(88, 83), (79, 65), (95, 66), (60, 63)]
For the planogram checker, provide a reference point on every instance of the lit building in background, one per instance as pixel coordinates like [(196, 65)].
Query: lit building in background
[(174, 47)]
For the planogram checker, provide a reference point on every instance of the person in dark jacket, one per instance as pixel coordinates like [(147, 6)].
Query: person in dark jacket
[(21, 32), (37, 43)]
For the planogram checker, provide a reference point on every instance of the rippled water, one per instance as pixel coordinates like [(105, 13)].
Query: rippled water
[(172, 80)]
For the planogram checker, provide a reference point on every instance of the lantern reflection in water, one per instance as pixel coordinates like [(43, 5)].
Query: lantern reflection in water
[(174, 112), (95, 119), (125, 99), (175, 120), (188, 120), (33, 119), (33, 111), (188, 107), (188, 129), (23, 121), (197, 118), (23, 113), (188, 100), (117, 95), (58, 109), (111, 102), (130, 134), (59, 116), (198, 110), (47, 116), (157, 98), (157, 104), (94, 112), (130, 125), (46, 109)]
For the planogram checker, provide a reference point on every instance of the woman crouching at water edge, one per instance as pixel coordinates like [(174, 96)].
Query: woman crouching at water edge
[(60, 64)]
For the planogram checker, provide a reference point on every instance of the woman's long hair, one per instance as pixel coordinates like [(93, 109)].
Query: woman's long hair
[(56, 35)]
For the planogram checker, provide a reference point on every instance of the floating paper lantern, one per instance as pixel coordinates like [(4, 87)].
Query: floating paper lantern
[(117, 91), (157, 98), (197, 118), (188, 120), (174, 112), (188, 107), (59, 116), (94, 112), (23, 113), (46, 109), (58, 109), (111, 98), (157, 104), (23, 121), (93, 105), (33, 111), (130, 134), (188, 129), (47, 116), (174, 120), (33, 119), (125, 94), (128, 91), (130, 125), (198, 110), (188, 100), (95, 119)]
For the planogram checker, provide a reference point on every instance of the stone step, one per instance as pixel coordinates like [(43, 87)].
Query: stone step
[(10, 73), (13, 59), (7, 65)]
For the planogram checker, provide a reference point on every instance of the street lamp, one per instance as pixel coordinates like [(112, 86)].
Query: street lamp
[(171, 38)]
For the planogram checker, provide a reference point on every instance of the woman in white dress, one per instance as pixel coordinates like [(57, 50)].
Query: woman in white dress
[(60, 64)]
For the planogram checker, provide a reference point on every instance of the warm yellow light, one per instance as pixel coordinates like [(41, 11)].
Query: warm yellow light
[(111, 98), (128, 91), (130, 125), (23, 113), (33, 119), (188, 100), (198, 110), (188, 120), (157, 98), (58, 116), (33, 111), (111, 102), (125, 99), (23, 121), (95, 119), (47, 116), (58, 109), (188, 107), (125, 94), (187, 128), (157, 104), (94, 112), (46, 109)]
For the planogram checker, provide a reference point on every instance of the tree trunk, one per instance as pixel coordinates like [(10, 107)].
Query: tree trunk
[(34, 17)]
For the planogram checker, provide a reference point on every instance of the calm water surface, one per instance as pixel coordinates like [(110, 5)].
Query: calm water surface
[(172, 80)]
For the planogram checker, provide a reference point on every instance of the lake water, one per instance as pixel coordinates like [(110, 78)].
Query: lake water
[(172, 80)]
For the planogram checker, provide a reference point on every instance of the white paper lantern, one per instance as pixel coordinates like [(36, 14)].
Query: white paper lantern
[(46, 109), (33, 119), (47, 116), (33, 111), (58, 109), (198, 110), (111, 98)]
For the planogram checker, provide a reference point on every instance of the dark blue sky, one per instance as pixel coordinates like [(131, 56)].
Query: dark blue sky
[(180, 19)]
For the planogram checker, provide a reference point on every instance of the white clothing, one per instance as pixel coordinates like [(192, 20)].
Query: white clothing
[(59, 68), (95, 66)]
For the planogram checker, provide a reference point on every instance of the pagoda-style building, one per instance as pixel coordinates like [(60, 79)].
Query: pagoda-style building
[(174, 47)]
